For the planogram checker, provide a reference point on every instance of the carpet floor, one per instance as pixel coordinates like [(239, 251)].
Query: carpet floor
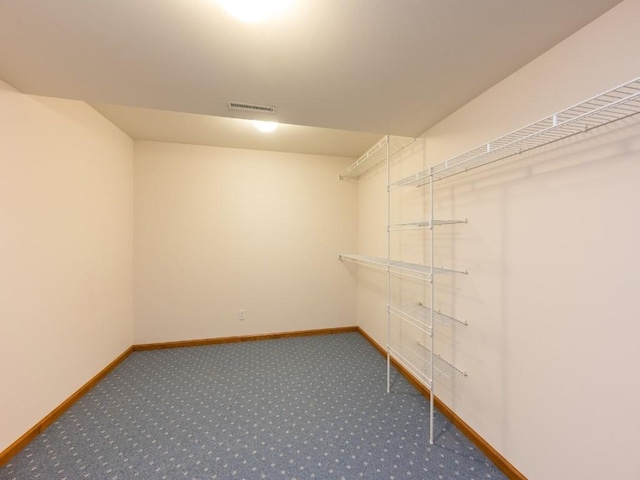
[(292, 408)]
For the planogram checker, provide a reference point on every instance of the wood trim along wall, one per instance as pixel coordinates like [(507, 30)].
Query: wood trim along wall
[(245, 338), (22, 442), (492, 454)]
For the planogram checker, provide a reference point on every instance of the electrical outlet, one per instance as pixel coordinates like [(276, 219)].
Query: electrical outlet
[(241, 316)]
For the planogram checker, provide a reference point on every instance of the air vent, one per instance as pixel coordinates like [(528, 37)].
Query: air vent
[(250, 107)]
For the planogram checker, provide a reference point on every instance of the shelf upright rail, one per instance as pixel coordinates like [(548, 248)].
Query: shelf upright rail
[(388, 271), (433, 308)]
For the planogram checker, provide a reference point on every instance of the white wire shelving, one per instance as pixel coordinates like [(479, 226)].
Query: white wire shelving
[(608, 107), (423, 362), (405, 269), (419, 315), (424, 365), (388, 145), (422, 224), (418, 355)]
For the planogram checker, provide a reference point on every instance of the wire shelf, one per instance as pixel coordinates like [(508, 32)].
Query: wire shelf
[(417, 359), (419, 316), (411, 270), (611, 106), (422, 224), (376, 155)]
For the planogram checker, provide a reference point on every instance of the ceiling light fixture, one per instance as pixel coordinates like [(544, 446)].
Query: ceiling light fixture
[(265, 127), (252, 11)]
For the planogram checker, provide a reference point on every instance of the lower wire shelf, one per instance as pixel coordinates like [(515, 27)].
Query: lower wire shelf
[(417, 360)]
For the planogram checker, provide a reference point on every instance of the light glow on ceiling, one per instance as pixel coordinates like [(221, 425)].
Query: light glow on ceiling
[(252, 11), (265, 127)]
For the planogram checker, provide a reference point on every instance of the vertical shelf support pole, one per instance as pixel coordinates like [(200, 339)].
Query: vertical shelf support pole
[(433, 333), (388, 271)]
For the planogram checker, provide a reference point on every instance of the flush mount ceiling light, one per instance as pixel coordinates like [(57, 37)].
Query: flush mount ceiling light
[(265, 127), (253, 11)]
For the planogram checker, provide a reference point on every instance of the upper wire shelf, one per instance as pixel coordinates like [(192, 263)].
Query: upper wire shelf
[(405, 269), (422, 224), (616, 104), (376, 155)]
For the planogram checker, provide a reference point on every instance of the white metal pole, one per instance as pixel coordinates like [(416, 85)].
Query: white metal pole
[(433, 333), (388, 271)]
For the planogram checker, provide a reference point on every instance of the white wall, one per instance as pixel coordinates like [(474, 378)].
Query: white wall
[(66, 181), (218, 230), (553, 270)]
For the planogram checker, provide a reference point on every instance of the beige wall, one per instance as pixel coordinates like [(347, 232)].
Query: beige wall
[(550, 249), (66, 181), (218, 230), (553, 270)]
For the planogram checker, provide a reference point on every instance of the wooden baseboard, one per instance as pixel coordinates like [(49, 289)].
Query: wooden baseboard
[(491, 453), (242, 338), (22, 442)]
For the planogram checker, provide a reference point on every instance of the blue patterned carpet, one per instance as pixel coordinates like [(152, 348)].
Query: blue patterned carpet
[(296, 408)]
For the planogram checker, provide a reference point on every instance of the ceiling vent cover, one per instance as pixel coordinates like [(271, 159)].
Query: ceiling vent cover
[(250, 107)]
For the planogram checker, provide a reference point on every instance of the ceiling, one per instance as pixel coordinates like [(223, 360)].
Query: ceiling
[(340, 72)]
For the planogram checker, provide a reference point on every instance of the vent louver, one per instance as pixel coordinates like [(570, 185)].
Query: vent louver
[(250, 107)]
